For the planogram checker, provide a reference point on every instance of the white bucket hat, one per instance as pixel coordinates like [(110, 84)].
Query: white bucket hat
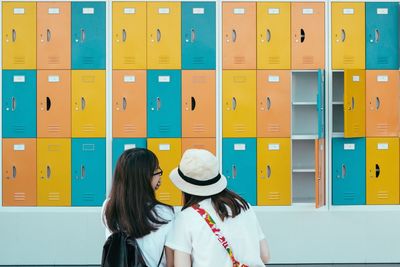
[(198, 174)]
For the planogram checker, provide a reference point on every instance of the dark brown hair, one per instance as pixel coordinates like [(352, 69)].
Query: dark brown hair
[(220, 202), (130, 208)]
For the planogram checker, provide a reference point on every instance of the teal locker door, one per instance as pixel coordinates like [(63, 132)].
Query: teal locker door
[(321, 104), (19, 103), (88, 171), (88, 38), (382, 36), (348, 171), (198, 35), (239, 166), (119, 145), (164, 103)]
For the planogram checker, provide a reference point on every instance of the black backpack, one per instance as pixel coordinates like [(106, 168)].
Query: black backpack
[(122, 251)]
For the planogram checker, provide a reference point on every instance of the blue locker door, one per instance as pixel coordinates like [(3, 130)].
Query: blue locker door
[(239, 166), (164, 103), (382, 35), (321, 104), (119, 145), (19, 103), (88, 38), (348, 171), (88, 171), (198, 35)]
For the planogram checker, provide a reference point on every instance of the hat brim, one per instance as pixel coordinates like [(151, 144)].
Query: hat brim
[(197, 190)]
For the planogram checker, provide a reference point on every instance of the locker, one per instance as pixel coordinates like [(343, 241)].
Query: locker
[(198, 103), (129, 103), (88, 40), (88, 171), (239, 109), (382, 171), (168, 152), (19, 29), (53, 35), (19, 172), (198, 35), (382, 35), (273, 103), (163, 103), (239, 35), (88, 103), (53, 103), (129, 35), (354, 103), (119, 145), (382, 102), (274, 183), (308, 35), (53, 172), (320, 178), (321, 104), (348, 171), (199, 143), (239, 166), (19, 103), (348, 36), (163, 35), (273, 35)]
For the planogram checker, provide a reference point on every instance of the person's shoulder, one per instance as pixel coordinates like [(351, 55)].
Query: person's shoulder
[(164, 211)]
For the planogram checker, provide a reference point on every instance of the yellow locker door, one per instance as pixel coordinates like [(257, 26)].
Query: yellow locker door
[(88, 103), (239, 103), (19, 35), (168, 151), (163, 35), (382, 171), (348, 35), (354, 103), (129, 35), (274, 186), (273, 35), (53, 172)]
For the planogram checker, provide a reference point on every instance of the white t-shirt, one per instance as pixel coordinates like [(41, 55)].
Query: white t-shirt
[(152, 244), (192, 235)]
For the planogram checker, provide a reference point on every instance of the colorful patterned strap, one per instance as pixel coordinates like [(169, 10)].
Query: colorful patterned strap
[(217, 232)]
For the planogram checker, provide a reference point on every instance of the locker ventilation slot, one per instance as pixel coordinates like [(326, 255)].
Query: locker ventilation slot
[(384, 129), (19, 196), (274, 196), (198, 60), (54, 128), (164, 196), (308, 60), (164, 60), (383, 195), (130, 128), (164, 128), (348, 60), (240, 128), (19, 60), (274, 60), (129, 60), (88, 60), (54, 196), (199, 128), (383, 60), (239, 60), (53, 60), (88, 197), (19, 128), (88, 128), (349, 195), (273, 128)]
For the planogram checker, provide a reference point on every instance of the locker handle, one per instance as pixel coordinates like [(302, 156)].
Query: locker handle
[(193, 36), (83, 103), (233, 35), (269, 171), (352, 103), (343, 170), (377, 35), (377, 170), (343, 35), (123, 35), (83, 171), (302, 35), (268, 35), (48, 172), (48, 35), (48, 103), (234, 171), (124, 103), (193, 103), (234, 104), (14, 172), (13, 103), (83, 35), (268, 103), (158, 103), (14, 35), (377, 103), (158, 35)]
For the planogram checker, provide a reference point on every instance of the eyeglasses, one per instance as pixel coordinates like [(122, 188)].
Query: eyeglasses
[(160, 172)]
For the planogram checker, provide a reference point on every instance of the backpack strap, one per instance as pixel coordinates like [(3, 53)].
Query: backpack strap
[(162, 254), (217, 232)]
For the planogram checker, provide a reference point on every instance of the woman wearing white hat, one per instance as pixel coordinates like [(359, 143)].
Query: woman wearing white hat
[(216, 226)]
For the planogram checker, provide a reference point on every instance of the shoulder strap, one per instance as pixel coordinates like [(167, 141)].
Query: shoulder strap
[(217, 232), (162, 254)]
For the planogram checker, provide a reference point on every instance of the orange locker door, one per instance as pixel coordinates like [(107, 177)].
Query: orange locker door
[(53, 35), (198, 103), (320, 180), (53, 103), (129, 103), (199, 143), (308, 35), (273, 103), (19, 172), (239, 35), (382, 103)]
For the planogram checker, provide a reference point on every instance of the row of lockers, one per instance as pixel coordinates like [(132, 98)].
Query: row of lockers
[(174, 35)]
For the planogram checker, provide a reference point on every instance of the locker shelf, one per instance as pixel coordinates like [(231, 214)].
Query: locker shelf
[(337, 103), (303, 188), (305, 103), (303, 170), (304, 136)]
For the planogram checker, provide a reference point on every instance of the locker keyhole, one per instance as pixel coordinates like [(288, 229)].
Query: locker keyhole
[(158, 35), (124, 103), (302, 35), (48, 172), (193, 103), (83, 103), (343, 170), (48, 103), (14, 172), (234, 171), (269, 171), (48, 35), (192, 35), (268, 35), (233, 35), (158, 103), (83, 172), (268, 103), (123, 35), (234, 103), (377, 170), (13, 103), (377, 103), (14, 35)]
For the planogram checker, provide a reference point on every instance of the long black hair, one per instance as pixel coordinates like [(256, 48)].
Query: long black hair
[(130, 208)]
